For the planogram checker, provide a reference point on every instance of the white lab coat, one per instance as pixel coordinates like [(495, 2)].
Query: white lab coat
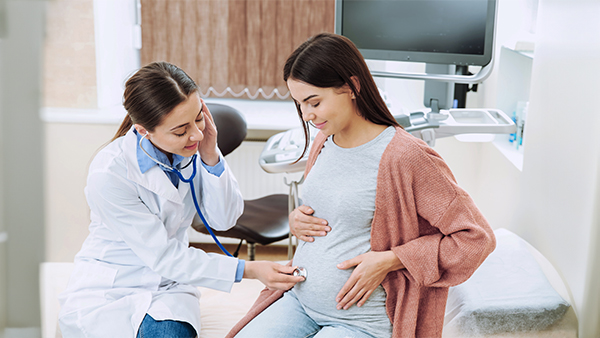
[(136, 259)]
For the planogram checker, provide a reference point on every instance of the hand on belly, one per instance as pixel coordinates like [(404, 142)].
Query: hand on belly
[(370, 270)]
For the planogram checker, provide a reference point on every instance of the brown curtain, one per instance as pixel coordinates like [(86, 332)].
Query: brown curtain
[(231, 43)]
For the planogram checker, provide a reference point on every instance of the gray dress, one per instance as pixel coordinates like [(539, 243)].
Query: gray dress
[(341, 188)]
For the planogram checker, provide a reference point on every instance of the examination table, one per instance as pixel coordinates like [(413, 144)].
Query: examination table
[(515, 293)]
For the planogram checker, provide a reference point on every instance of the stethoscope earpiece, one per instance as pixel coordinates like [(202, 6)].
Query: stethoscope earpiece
[(168, 167)]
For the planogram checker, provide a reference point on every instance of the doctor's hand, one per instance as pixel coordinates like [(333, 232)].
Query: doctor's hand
[(208, 146), (371, 269), (303, 225), (273, 275)]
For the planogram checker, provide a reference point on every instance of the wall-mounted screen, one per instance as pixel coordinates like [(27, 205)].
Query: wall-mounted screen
[(458, 32)]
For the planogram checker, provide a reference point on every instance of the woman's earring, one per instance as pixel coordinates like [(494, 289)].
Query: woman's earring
[(353, 97)]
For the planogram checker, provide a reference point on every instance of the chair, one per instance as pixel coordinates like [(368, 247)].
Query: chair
[(265, 220)]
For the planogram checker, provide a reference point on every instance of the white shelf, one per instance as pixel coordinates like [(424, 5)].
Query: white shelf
[(509, 150), (514, 79)]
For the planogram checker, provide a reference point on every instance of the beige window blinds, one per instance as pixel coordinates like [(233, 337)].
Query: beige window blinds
[(232, 48)]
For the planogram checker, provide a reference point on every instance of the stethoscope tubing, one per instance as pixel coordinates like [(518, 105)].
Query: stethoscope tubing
[(197, 205), (300, 271), (190, 181)]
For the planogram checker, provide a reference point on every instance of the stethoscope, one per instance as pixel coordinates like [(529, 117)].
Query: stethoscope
[(297, 272), (190, 180)]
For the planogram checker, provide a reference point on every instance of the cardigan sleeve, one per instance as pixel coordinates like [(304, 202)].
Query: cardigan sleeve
[(315, 150), (264, 300), (454, 237)]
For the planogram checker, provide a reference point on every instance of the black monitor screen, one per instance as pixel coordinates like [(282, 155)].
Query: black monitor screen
[(419, 30)]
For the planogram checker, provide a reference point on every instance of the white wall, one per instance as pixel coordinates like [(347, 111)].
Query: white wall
[(551, 203), (591, 327), (3, 233), (67, 214), (22, 165), (560, 169), (96, 38)]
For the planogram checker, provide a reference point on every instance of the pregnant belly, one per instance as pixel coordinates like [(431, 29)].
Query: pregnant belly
[(324, 280)]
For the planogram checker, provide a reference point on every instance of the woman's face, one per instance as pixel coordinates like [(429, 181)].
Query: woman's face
[(182, 129), (332, 110)]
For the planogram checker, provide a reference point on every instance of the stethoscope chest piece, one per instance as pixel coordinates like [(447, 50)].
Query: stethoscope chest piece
[(300, 272)]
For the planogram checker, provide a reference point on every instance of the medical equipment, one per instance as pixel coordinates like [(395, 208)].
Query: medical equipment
[(300, 271), (412, 31), (283, 149), (193, 191), (438, 32)]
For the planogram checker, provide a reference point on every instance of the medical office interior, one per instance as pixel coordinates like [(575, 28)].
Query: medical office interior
[(64, 62)]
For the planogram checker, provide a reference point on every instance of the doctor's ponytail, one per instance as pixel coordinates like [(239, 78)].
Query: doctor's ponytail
[(152, 93), (124, 127)]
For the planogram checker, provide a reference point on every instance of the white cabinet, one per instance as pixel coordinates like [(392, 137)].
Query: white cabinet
[(514, 79)]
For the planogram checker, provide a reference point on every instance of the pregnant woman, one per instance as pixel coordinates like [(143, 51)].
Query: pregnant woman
[(386, 230)]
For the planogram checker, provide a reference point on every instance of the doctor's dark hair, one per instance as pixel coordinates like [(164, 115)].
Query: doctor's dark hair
[(152, 93), (330, 61)]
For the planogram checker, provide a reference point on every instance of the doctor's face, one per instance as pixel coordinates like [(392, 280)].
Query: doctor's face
[(182, 129)]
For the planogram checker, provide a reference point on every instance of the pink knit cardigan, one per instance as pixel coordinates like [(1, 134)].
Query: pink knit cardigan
[(430, 223)]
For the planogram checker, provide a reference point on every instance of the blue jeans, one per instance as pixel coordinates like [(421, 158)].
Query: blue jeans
[(151, 328), (286, 319)]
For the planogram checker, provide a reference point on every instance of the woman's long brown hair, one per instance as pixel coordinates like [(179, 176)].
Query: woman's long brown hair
[(330, 61)]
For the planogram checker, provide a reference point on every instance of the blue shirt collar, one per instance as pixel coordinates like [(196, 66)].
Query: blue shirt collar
[(146, 163)]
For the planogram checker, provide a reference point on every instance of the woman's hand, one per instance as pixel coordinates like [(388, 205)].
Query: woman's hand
[(208, 146), (371, 269), (273, 275), (303, 225)]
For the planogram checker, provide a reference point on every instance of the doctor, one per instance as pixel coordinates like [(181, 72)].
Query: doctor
[(135, 275)]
